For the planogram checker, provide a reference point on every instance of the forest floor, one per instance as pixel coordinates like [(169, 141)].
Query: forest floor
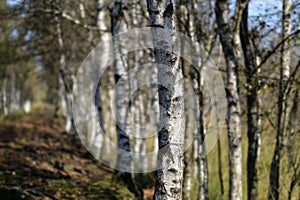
[(41, 162)]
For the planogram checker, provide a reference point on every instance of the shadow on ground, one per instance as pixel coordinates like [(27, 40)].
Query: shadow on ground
[(42, 162)]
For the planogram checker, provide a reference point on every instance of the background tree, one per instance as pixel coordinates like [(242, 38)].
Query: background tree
[(282, 102), (229, 40), (253, 105)]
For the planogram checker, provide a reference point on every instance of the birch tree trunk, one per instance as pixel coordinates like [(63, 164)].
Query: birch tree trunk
[(282, 103), (201, 170), (293, 153), (202, 160), (65, 77), (155, 109), (233, 100), (190, 165), (189, 153), (4, 97), (138, 108), (101, 24), (170, 91), (253, 107), (122, 91)]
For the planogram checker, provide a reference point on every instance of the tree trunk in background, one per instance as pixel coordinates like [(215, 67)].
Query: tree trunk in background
[(101, 24), (141, 129), (220, 166), (197, 154), (155, 110), (292, 128), (189, 161), (65, 77), (61, 92), (190, 165), (124, 161), (4, 97), (14, 100), (282, 102), (96, 136), (171, 136), (111, 109), (105, 36), (202, 160), (233, 101), (253, 107), (292, 137)]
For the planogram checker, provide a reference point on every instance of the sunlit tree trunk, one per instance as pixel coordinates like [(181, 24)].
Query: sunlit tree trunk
[(98, 115), (138, 108), (101, 23), (65, 79), (122, 90), (202, 160), (227, 36), (282, 103), (171, 136), (4, 97), (111, 109), (155, 110)]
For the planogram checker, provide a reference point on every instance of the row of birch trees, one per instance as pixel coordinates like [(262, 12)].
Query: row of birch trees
[(258, 60)]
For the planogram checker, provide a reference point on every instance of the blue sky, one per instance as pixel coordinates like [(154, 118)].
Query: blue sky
[(270, 10)]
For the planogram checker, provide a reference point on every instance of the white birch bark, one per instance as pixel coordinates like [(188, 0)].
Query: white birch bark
[(122, 91), (138, 108), (62, 71), (27, 106), (61, 92), (123, 88), (233, 100), (170, 91), (111, 109), (155, 109), (104, 36), (4, 97), (202, 160)]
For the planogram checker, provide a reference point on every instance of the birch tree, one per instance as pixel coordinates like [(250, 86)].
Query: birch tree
[(170, 91), (65, 77), (190, 16), (124, 160), (231, 52), (102, 24), (282, 102)]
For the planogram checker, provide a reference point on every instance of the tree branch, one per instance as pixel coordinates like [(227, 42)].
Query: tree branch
[(270, 53)]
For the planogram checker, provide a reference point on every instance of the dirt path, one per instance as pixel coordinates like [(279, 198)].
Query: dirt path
[(38, 162)]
